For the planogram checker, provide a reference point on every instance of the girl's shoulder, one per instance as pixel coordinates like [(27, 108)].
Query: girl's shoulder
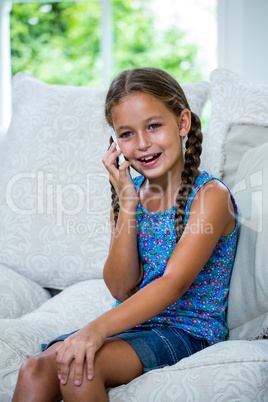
[(202, 179), (137, 181)]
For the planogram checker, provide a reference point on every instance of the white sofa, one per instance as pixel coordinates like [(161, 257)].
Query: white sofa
[(54, 233)]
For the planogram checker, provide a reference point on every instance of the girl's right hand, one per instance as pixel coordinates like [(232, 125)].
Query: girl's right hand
[(123, 185)]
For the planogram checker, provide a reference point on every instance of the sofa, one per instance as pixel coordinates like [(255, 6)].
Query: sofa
[(54, 233)]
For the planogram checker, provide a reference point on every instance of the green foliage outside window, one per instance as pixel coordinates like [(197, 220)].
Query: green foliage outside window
[(60, 42)]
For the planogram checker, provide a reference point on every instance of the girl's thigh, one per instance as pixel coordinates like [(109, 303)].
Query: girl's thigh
[(117, 363), (116, 360)]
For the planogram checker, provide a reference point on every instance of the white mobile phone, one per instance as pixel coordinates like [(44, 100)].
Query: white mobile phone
[(121, 156)]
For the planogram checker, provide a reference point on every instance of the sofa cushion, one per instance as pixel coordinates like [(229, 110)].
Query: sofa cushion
[(54, 190), (19, 295), (240, 138), (227, 371), (248, 297), (52, 229), (234, 101), (71, 309)]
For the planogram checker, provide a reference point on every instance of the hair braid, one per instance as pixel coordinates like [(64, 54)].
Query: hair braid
[(189, 173)]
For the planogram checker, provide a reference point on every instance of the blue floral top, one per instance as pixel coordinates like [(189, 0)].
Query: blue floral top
[(201, 311)]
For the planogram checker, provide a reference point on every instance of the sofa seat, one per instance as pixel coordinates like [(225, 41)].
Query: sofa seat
[(230, 368)]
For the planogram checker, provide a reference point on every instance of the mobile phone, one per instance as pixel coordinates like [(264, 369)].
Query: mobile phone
[(121, 157)]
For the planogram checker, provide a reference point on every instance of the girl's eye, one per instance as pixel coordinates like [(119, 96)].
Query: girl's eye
[(126, 134), (154, 126)]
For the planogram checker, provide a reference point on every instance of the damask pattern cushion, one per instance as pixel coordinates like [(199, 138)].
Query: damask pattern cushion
[(54, 190), (240, 138), (248, 298), (234, 101), (19, 295), (53, 230), (197, 93), (223, 372)]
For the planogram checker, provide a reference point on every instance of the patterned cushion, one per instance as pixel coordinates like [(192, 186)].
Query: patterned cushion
[(240, 138), (52, 229), (248, 298), (19, 295), (228, 371), (234, 100)]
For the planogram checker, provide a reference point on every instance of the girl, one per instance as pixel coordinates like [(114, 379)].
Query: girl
[(173, 239)]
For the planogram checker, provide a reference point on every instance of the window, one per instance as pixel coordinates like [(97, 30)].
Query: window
[(57, 42), (88, 42)]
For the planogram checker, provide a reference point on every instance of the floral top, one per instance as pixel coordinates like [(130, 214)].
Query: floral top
[(201, 311)]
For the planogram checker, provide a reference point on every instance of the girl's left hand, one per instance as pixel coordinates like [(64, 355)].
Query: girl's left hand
[(79, 348)]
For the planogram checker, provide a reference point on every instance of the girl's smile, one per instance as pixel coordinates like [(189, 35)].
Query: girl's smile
[(149, 160), (150, 135)]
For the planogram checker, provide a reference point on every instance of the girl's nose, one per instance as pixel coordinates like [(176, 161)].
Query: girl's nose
[(144, 141)]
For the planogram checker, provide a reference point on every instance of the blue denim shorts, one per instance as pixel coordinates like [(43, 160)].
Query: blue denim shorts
[(156, 347), (162, 346)]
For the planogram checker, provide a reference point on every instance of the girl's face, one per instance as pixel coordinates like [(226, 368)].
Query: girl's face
[(149, 135)]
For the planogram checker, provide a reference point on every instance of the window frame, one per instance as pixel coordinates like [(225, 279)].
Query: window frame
[(5, 53)]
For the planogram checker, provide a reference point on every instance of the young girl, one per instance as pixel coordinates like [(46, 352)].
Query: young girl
[(174, 231)]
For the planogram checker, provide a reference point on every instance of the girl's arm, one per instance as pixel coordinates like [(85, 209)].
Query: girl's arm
[(121, 269), (211, 210)]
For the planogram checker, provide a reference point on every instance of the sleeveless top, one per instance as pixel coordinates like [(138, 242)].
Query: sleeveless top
[(201, 311)]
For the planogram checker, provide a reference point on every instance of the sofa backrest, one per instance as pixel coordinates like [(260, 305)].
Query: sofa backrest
[(248, 298)]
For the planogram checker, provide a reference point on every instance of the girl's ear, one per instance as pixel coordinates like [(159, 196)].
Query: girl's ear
[(184, 122)]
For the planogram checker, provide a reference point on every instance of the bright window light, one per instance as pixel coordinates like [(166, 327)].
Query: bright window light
[(60, 42)]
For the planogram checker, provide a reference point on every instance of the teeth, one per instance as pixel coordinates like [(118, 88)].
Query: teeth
[(148, 158)]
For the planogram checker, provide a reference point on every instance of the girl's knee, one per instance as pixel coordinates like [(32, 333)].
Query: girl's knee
[(35, 368), (37, 380), (30, 368)]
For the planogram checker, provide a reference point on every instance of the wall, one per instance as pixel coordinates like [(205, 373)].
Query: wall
[(242, 38)]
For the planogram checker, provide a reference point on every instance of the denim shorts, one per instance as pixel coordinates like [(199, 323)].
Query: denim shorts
[(156, 347), (162, 346)]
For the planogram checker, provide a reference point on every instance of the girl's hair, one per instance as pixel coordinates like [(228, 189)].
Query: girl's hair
[(164, 87)]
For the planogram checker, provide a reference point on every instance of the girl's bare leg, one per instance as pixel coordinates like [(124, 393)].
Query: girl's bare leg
[(116, 363), (38, 380)]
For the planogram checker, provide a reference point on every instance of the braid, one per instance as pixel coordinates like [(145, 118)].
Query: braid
[(189, 173), (114, 196)]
